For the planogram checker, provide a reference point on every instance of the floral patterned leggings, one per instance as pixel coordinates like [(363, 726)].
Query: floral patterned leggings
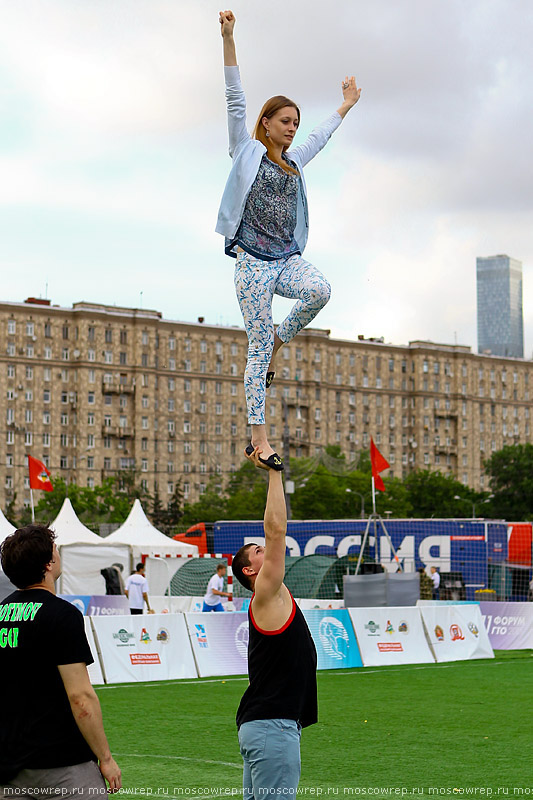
[(256, 283)]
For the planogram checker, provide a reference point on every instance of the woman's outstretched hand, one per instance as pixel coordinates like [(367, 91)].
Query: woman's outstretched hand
[(350, 92), (227, 23), (351, 95)]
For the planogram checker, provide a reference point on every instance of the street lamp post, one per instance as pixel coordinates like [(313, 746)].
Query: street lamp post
[(352, 491), (486, 500)]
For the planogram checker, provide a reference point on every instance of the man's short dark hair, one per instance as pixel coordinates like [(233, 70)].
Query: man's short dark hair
[(221, 566), (26, 553), (240, 560), (139, 566)]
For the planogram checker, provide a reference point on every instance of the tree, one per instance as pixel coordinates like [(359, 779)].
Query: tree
[(47, 504), (320, 496), (158, 514), (109, 502), (433, 494), (395, 499), (174, 509), (511, 481), (326, 495), (11, 512), (210, 507), (246, 493)]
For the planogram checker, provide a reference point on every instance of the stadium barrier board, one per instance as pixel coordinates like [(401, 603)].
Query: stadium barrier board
[(99, 605), (148, 647), (456, 633), (219, 642), (334, 638), (393, 635), (308, 603), (96, 675), (509, 625)]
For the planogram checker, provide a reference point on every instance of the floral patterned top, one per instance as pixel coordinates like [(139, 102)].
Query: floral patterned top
[(269, 219)]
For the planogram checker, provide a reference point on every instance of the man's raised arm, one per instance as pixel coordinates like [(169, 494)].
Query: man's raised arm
[(271, 575)]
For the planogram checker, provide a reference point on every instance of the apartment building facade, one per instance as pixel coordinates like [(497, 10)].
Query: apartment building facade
[(93, 390)]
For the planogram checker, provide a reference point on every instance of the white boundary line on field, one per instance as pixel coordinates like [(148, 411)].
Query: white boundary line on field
[(336, 673), (180, 758), (176, 682), (406, 668)]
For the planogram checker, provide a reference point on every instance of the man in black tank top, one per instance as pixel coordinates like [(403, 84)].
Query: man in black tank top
[(281, 698)]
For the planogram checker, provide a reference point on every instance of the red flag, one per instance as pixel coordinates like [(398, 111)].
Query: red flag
[(39, 475), (379, 463)]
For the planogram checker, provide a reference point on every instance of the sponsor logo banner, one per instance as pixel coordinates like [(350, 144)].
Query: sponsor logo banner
[(390, 647), (144, 647), (393, 635), (97, 605), (145, 658), (456, 632), (334, 638), (509, 625), (219, 642)]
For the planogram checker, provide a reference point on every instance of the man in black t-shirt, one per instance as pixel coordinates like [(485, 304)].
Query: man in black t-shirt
[(281, 698), (51, 730)]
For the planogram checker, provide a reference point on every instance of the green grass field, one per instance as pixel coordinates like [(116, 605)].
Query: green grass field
[(456, 727)]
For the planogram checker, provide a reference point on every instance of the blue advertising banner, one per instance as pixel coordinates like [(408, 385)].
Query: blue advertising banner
[(450, 545), (105, 605), (334, 638), (81, 601)]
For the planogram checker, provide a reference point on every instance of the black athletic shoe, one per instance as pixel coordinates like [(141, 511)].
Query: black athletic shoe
[(269, 379), (272, 462)]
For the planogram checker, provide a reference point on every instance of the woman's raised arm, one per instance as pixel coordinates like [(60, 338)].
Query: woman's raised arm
[(227, 23)]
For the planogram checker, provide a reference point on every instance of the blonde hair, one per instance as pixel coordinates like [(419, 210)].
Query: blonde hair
[(270, 108)]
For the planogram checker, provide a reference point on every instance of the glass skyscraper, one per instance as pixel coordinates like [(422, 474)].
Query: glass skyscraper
[(500, 325)]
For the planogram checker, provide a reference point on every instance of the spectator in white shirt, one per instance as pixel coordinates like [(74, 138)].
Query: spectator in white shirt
[(214, 591), (435, 577), (137, 591)]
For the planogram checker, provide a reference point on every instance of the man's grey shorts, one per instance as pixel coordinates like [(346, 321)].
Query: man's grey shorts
[(62, 782), (270, 749)]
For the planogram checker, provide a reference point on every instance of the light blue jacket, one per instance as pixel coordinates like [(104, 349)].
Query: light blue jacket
[(247, 153)]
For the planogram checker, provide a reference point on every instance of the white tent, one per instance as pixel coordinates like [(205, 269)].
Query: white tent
[(84, 554), (69, 529), (82, 566), (6, 529), (138, 532)]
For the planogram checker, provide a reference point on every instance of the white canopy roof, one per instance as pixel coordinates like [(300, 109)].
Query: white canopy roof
[(6, 528), (144, 539), (69, 529)]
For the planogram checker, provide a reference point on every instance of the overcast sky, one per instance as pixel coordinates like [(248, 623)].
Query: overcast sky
[(113, 153)]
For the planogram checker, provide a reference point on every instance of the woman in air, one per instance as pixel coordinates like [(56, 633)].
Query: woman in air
[(263, 217)]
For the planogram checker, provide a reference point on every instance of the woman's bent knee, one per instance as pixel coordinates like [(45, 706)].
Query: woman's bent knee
[(319, 294)]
